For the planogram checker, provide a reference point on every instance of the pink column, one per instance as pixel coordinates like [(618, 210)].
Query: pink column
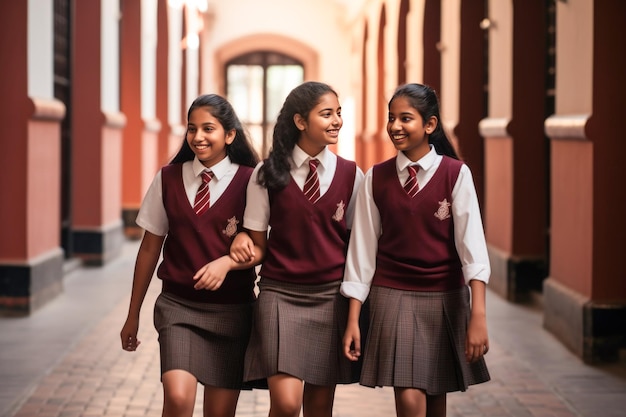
[(96, 140), (139, 152), (31, 260)]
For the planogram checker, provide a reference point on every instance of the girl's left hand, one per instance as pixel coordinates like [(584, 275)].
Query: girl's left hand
[(128, 334), (242, 248), (211, 276), (477, 341), (352, 342)]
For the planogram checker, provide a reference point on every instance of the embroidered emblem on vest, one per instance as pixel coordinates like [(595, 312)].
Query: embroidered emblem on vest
[(443, 212), (339, 213), (231, 227)]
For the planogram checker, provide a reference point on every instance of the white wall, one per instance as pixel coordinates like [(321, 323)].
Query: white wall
[(40, 49), (109, 67), (174, 62), (323, 25), (148, 58)]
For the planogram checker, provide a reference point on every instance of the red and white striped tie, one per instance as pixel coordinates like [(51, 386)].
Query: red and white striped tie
[(203, 196), (410, 186), (312, 183)]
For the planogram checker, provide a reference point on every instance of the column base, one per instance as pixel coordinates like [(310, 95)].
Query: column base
[(25, 288), (131, 230), (97, 247), (596, 332), (515, 278)]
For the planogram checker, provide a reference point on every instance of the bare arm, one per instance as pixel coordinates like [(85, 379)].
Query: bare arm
[(352, 336), (248, 247), (259, 239), (146, 262), (212, 275), (477, 342)]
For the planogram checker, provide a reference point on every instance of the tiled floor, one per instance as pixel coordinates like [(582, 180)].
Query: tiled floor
[(65, 361)]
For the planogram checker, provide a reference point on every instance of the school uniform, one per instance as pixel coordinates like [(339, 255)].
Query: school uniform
[(412, 258), (300, 317), (200, 331)]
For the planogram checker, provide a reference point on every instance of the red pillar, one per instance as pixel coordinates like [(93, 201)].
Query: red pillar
[(139, 154), (31, 259), (96, 147)]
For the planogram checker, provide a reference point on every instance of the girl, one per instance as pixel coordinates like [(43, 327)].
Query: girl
[(414, 249), (303, 194), (203, 315)]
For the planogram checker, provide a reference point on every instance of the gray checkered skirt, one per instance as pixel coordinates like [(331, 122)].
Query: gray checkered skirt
[(417, 340), (298, 331), (205, 339)]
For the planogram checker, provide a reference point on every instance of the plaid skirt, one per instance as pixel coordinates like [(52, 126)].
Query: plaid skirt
[(207, 340), (417, 340), (298, 330)]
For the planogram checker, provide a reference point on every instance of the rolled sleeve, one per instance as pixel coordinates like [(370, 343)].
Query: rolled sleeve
[(480, 272), (361, 256), (469, 234), (356, 290)]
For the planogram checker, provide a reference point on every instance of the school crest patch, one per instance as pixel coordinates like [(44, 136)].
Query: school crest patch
[(340, 212), (231, 227), (443, 212)]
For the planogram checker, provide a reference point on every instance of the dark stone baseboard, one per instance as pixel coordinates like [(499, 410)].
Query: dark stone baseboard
[(25, 288), (131, 230), (594, 331), (515, 278), (97, 247)]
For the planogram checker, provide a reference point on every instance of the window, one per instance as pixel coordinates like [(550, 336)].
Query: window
[(256, 85)]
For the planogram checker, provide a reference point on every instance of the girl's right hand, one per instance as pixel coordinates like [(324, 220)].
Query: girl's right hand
[(128, 335), (212, 275), (352, 342), (242, 248)]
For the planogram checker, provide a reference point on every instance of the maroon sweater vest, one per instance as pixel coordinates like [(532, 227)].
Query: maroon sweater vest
[(193, 241), (416, 250), (307, 243)]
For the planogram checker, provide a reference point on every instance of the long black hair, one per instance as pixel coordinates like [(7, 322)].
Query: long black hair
[(424, 99), (301, 100), (240, 151)]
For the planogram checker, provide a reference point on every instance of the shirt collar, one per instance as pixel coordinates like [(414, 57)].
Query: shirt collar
[(427, 161), (219, 170), (300, 157)]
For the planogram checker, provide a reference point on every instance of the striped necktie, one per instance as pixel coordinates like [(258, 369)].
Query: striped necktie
[(410, 186), (312, 183), (203, 196)]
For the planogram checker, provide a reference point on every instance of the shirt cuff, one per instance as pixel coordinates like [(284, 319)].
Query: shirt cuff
[(255, 226), (144, 224), (355, 290), (480, 272)]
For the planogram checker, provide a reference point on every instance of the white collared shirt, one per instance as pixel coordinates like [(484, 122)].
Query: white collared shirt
[(257, 212), (152, 216), (468, 228)]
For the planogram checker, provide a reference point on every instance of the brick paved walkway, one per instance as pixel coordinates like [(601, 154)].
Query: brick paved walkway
[(70, 368)]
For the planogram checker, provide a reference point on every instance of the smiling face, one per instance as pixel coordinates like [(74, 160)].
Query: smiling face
[(407, 130), (321, 127), (206, 136)]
